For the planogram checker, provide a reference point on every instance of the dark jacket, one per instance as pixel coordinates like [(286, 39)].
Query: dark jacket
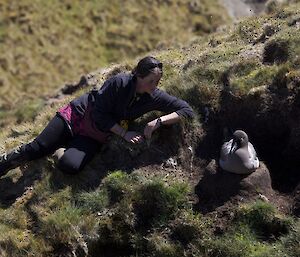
[(116, 100)]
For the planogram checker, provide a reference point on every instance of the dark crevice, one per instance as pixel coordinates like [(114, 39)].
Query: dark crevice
[(276, 52), (271, 129)]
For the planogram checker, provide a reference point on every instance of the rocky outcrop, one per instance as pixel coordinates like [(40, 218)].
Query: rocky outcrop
[(218, 186)]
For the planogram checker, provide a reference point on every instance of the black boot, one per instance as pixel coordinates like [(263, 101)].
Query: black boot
[(12, 160)]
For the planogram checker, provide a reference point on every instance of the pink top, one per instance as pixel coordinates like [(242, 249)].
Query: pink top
[(82, 125)]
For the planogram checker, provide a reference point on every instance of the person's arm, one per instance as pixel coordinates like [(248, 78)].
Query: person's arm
[(129, 136), (176, 108), (163, 120), (171, 118), (105, 101)]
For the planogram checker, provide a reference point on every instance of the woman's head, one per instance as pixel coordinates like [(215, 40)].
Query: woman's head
[(148, 73), (146, 66)]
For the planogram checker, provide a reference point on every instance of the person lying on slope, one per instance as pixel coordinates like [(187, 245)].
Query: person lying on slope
[(83, 125)]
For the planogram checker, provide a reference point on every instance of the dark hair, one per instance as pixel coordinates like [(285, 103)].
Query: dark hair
[(146, 65)]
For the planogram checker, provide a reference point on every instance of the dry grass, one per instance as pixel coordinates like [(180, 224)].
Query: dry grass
[(45, 44), (62, 214)]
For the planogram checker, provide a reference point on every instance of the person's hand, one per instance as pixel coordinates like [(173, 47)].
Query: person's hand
[(133, 137), (150, 127)]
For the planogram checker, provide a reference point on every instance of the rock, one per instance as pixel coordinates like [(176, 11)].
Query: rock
[(257, 91), (217, 186), (258, 181), (170, 163), (211, 168), (253, 52), (58, 154)]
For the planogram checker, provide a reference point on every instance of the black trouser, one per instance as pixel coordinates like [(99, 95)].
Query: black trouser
[(79, 149)]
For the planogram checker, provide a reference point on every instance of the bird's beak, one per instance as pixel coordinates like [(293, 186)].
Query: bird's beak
[(233, 145)]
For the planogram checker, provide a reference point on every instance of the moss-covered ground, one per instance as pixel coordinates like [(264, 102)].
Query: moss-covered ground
[(245, 76)]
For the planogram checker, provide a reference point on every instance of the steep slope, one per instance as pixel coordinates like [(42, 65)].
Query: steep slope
[(247, 77), (46, 43)]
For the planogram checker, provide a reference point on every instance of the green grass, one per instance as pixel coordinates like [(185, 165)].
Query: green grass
[(291, 242), (138, 215), (261, 218), (164, 200), (256, 230), (93, 202), (46, 44), (159, 246), (87, 222), (118, 185)]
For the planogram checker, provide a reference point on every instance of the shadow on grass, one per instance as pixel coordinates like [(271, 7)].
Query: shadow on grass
[(113, 156), (14, 184), (210, 187)]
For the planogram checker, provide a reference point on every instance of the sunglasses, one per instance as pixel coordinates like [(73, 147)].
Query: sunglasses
[(156, 65)]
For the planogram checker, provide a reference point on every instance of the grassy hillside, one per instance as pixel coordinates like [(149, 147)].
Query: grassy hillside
[(46, 43), (244, 77)]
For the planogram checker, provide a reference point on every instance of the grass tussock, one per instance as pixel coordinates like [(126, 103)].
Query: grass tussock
[(149, 218), (247, 233)]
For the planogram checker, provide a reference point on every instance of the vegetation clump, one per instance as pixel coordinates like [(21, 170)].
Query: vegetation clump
[(229, 78)]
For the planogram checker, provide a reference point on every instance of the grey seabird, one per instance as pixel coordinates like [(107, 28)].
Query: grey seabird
[(238, 154)]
